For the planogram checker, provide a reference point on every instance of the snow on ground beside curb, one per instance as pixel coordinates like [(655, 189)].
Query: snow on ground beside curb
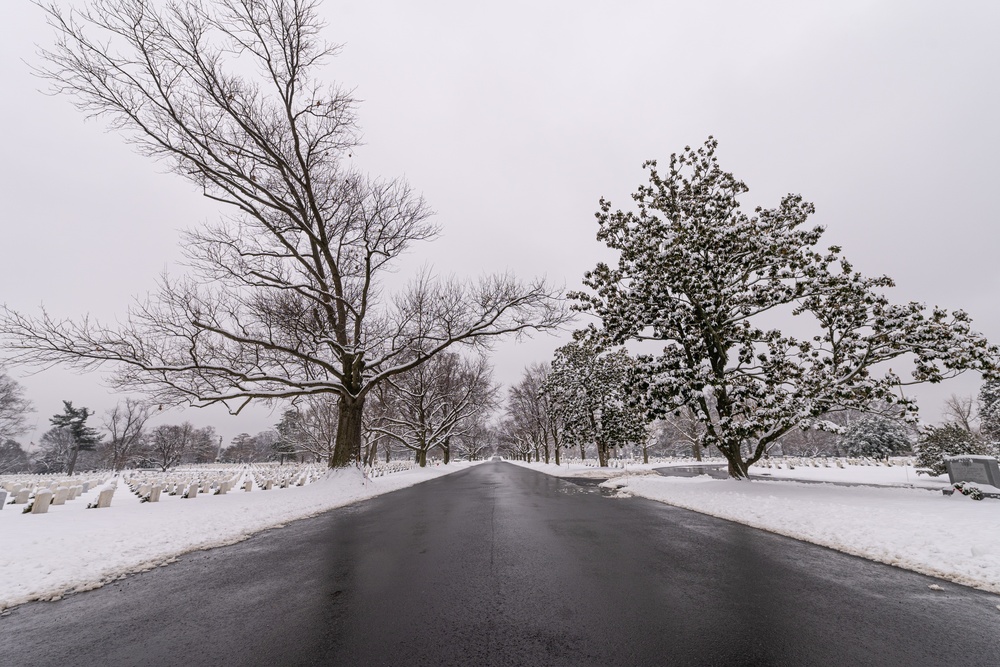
[(879, 475), (954, 537), (46, 555)]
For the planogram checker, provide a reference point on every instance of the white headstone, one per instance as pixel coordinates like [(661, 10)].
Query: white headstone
[(154, 493), (104, 499), (41, 503), (21, 497), (248, 485), (60, 496)]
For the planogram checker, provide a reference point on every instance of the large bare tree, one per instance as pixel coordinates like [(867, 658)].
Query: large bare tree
[(125, 424), (445, 398), (284, 298)]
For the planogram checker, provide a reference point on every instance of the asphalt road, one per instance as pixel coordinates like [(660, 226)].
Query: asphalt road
[(499, 565)]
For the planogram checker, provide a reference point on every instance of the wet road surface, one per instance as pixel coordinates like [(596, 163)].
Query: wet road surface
[(499, 565)]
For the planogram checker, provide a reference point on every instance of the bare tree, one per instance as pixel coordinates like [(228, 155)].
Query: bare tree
[(285, 299), (516, 439), (961, 410), (169, 443), (435, 402), (476, 441), (125, 424), (13, 458), (530, 406), (14, 407), (55, 449)]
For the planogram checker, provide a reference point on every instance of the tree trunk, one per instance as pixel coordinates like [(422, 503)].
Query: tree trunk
[(72, 460), (422, 458), (557, 454), (583, 452), (697, 451), (602, 455), (349, 426), (645, 454), (446, 450), (738, 469)]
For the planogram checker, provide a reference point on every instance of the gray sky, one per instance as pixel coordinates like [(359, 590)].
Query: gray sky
[(514, 119)]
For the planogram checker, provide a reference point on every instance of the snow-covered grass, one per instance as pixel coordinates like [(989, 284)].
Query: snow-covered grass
[(71, 548), (952, 537), (876, 475)]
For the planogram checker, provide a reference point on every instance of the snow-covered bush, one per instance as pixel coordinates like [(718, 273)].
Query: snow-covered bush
[(938, 442), (875, 436)]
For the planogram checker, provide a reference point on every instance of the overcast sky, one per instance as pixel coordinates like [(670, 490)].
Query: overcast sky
[(513, 119)]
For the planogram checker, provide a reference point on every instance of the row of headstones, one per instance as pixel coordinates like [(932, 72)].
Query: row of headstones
[(37, 499), (382, 469), (267, 483), (14, 487), (40, 501), (149, 492)]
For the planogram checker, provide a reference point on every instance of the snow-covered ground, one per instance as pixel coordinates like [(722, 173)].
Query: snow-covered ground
[(952, 537), (70, 548)]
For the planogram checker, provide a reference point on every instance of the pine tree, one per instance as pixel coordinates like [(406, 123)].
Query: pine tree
[(74, 420), (938, 442), (588, 388), (704, 279), (875, 436), (989, 412)]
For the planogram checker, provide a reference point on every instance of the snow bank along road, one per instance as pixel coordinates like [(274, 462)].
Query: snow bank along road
[(499, 565), (71, 549)]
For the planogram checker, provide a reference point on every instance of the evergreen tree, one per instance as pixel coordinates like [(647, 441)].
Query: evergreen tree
[(989, 411), (74, 421), (938, 442), (290, 431), (704, 279), (875, 436), (588, 388)]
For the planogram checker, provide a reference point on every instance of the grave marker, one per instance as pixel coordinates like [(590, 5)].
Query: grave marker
[(104, 499), (41, 503), (974, 469), (60, 496)]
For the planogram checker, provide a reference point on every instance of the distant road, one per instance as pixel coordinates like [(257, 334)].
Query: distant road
[(500, 565)]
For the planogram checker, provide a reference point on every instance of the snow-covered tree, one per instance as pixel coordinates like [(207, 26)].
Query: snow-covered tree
[(73, 421), (56, 448), (588, 388), (938, 442), (989, 411), (709, 282), (309, 428), (286, 297), (875, 436), (479, 440)]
